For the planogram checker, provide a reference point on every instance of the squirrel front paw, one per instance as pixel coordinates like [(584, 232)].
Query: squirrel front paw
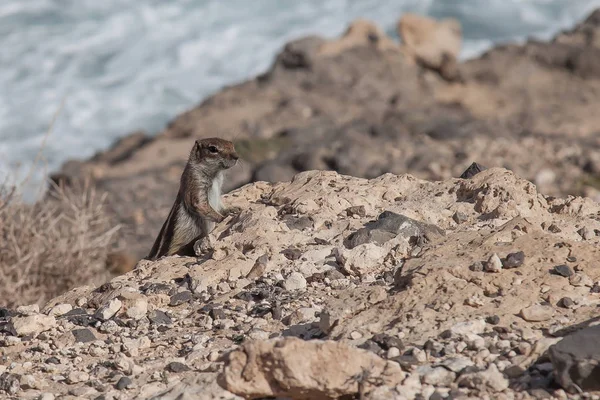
[(203, 246)]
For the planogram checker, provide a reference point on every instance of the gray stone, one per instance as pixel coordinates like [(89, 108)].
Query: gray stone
[(108, 310), (159, 318), (83, 335), (565, 302), (586, 233), (298, 223), (460, 218), (356, 210), (576, 360), (123, 383), (472, 170), (177, 367), (180, 298), (514, 260), (563, 270), (390, 225)]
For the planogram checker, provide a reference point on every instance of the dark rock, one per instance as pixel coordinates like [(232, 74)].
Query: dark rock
[(356, 210), (180, 298), (80, 317), (158, 317), (576, 360), (563, 270), (554, 229), (52, 360), (386, 341), (370, 346), (299, 223), (571, 259), (177, 367), (83, 335), (459, 217), (436, 396), (514, 371), (472, 170), (477, 266), (217, 313), (565, 302), (8, 328), (389, 225), (595, 288), (292, 253), (155, 288), (277, 313), (493, 320), (123, 383), (9, 383), (5, 313), (514, 260)]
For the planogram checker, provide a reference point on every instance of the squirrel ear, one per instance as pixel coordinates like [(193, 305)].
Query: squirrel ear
[(197, 146)]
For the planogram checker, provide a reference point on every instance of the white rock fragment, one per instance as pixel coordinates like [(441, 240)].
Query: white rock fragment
[(108, 310), (28, 310), (493, 264), (33, 324), (294, 281), (60, 309)]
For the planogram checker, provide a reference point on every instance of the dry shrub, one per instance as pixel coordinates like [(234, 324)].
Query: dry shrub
[(53, 245)]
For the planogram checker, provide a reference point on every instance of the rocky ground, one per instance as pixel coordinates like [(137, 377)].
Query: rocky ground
[(364, 105), (477, 288)]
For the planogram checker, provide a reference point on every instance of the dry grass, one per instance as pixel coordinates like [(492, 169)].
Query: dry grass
[(48, 247)]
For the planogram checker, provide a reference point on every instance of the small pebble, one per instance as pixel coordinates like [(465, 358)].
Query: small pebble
[(355, 335), (476, 266), (493, 320), (566, 302)]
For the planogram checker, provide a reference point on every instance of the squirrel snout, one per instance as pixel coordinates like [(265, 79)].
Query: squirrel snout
[(234, 156)]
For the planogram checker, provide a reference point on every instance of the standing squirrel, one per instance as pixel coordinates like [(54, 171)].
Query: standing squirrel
[(198, 204)]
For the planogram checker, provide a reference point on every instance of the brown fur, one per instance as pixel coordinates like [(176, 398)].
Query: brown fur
[(192, 215)]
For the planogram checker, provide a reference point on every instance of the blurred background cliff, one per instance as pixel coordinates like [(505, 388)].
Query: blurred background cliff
[(362, 87)]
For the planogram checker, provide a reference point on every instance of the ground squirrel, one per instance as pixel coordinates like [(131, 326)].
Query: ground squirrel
[(198, 204)]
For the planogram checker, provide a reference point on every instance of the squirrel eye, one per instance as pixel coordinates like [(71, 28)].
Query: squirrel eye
[(213, 149)]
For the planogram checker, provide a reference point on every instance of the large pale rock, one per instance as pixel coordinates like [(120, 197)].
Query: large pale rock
[(33, 324), (300, 369), (434, 44)]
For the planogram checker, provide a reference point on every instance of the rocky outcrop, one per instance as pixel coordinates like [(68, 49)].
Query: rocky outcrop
[(284, 307), (364, 105)]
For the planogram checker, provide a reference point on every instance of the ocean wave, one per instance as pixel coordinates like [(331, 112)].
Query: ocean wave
[(122, 65)]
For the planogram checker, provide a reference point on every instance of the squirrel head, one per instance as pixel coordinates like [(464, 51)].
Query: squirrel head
[(214, 154)]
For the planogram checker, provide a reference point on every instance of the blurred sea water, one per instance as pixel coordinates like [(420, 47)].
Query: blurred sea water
[(122, 65)]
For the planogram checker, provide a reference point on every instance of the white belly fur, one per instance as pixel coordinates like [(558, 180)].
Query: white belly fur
[(214, 194)]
